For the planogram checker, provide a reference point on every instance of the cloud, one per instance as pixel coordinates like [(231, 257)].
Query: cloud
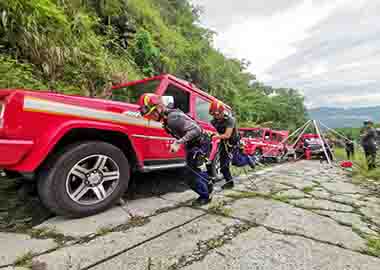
[(220, 15), (337, 65), (329, 49)]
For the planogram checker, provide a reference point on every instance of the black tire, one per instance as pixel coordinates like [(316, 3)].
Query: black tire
[(53, 176)]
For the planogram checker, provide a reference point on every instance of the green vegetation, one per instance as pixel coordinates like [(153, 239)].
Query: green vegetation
[(360, 169), (219, 208), (24, 260), (374, 246), (49, 233), (77, 47), (307, 189)]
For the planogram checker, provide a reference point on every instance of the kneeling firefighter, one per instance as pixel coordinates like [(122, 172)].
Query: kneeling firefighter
[(230, 148), (186, 131)]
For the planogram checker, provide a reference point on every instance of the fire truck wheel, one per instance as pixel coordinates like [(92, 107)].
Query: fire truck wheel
[(84, 179), (258, 154), (215, 168)]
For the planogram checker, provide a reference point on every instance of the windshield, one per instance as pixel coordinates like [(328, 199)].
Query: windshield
[(252, 133), (314, 141), (132, 93)]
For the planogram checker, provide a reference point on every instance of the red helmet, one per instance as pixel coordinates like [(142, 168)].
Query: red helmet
[(216, 106), (148, 103)]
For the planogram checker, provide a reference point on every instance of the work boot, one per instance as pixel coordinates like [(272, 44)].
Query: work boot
[(228, 185), (210, 187), (251, 162), (201, 201)]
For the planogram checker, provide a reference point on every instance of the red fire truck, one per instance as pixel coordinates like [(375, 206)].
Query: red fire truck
[(82, 151), (264, 142)]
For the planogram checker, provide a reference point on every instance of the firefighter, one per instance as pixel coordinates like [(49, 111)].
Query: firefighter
[(350, 148), (186, 132), (368, 140), (225, 125)]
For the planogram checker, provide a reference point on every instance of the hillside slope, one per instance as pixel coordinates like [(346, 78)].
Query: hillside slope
[(77, 46)]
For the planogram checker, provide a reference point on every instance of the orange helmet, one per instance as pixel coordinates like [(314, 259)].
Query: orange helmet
[(148, 103), (216, 106)]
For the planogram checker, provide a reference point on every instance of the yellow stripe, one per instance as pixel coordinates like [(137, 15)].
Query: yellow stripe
[(33, 104)]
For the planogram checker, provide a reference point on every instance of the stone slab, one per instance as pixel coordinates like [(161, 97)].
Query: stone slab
[(261, 249), (180, 197), (165, 251), (147, 206), (293, 193), (14, 246), (298, 183), (339, 187), (261, 185), (285, 217), (79, 256), (373, 212), (349, 219), (320, 194), (322, 204), (86, 226), (349, 198)]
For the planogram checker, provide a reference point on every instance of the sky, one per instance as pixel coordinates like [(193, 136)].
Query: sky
[(328, 49)]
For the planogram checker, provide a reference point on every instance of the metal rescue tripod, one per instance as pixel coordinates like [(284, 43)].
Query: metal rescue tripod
[(301, 131)]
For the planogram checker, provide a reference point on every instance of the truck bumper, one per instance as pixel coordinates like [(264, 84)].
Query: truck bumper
[(13, 151)]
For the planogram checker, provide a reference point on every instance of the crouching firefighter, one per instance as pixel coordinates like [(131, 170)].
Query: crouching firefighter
[(230, 147), (187, 132)]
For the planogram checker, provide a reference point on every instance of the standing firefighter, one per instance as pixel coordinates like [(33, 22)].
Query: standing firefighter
[(229, 147), (368, 138), (186, 131), (350, 147)]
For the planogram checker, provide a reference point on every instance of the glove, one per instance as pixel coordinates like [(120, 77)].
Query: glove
[(174, 147)]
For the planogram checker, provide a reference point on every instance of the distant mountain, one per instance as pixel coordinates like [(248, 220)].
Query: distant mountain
[(339, 118)]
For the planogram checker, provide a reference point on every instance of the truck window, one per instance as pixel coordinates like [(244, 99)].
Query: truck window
[(201, 109), (253, 134), (132, 93), (181, 97), (275, 137), (267, 135)]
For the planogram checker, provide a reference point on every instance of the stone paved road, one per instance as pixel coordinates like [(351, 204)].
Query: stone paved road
[(297, 216)]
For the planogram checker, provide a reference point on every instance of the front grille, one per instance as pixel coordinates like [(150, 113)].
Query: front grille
[(315, 147)]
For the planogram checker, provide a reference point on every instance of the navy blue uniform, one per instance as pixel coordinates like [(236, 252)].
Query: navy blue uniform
[(197, 146), (229, 149), (226, 146)]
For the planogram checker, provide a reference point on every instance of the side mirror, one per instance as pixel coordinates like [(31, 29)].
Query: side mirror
[(168, 101)]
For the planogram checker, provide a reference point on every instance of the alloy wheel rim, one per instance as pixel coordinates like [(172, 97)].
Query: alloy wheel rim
[(92, 180)]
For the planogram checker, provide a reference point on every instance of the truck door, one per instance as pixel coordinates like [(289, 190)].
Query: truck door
[(267, 142), (276, 139), (160, 139)]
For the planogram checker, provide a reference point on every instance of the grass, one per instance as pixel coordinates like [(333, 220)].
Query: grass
[(220, 209), (24, 260), (103, 231), (49, 233), (360, 170), (307, 189), (373, 245)]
